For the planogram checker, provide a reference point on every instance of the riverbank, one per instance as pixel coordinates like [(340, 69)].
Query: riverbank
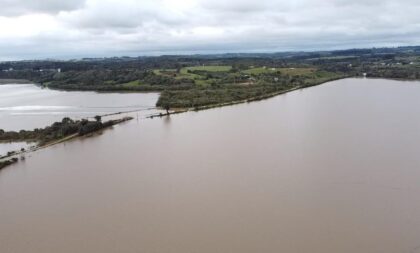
[(14, 81), (8, 162), (248, 100)]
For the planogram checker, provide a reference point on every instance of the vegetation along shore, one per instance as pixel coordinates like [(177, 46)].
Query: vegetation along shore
[(56, 133), (203, 81)]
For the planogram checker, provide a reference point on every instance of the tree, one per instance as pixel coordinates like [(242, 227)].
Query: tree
[(66, 120), (98, 118), (166, 106)]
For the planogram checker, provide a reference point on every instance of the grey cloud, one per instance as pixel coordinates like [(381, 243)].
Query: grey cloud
[(244, 6), (111, 27), (122, 15), (22, 7)]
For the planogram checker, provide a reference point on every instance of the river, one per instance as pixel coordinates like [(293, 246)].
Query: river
[(332, 168), (27, 106)]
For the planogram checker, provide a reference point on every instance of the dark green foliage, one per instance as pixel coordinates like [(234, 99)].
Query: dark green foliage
[(399, 72), (226, 93), (56, 131)]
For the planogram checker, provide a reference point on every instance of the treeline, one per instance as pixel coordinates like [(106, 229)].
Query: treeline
[(176, 62), (409, 73), (96, 79), (141, 63), (58, 130)]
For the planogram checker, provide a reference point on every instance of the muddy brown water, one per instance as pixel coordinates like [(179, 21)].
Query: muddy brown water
[(332, 168)]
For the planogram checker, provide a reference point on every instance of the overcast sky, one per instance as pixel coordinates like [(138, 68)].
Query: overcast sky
[(31, 29)]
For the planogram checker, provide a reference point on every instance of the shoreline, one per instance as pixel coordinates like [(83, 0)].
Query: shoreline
[(7, 160), (237, 102), (269, 95), (15, 81)]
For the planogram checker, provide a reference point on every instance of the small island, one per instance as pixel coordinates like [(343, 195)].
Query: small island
[(56, 133)]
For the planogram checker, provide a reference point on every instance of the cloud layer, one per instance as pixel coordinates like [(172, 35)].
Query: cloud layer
[(77, 28), (21, 7)]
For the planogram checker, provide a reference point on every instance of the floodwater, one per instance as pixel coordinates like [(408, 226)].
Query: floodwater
[(27, 106), (332, 168), (14, 146)]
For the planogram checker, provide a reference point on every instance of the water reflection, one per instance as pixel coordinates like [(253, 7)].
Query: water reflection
[(28, 106)]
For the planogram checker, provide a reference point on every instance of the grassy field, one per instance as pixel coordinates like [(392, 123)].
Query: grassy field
[(297, 71), (288, 71), (132, 84), (184, 73), (164, 71), (209, 68)]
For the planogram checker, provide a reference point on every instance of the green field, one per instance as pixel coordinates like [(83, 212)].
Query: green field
[(131, 84), (164, 71), (209, 68), (288, 71)]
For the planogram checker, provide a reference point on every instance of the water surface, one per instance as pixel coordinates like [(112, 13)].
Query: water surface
[(13, 146), (333, 168), (27, 106)]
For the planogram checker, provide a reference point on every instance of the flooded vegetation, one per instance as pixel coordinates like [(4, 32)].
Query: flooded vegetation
[(59, 130), (7, 162), (332, 168)]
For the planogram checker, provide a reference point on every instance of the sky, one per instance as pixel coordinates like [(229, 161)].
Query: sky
[(61, 29)]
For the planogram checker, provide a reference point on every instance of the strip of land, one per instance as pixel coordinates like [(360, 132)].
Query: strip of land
[(57, 133), (14, 81)]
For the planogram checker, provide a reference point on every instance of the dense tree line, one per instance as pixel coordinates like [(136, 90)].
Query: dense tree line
[(57, 130)]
